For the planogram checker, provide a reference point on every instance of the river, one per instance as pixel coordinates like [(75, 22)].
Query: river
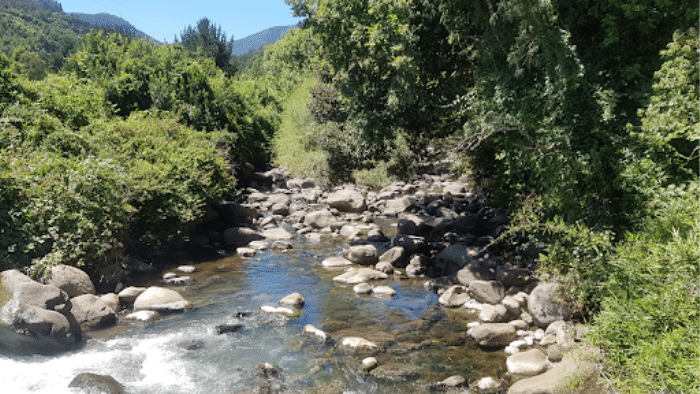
[(182, 353)]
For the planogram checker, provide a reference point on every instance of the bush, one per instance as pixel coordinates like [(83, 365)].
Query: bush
[(651, 311)]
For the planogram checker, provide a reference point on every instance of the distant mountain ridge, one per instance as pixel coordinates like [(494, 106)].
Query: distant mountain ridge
[(111, 21), (260, 39)]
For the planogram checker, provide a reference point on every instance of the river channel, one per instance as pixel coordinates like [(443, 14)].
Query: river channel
[(182, 353)]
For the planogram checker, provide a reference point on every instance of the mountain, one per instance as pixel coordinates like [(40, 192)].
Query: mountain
[(260, 39), (110, 21)]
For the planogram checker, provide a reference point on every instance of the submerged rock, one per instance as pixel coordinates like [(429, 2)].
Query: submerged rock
[(94, 383)]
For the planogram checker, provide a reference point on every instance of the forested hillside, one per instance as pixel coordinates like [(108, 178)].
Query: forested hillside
[(105, 20), (259, 39)]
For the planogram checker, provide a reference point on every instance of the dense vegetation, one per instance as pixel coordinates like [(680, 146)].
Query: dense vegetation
[(581, 117), (120, 152)]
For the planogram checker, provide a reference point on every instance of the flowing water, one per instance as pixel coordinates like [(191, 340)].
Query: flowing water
[(182, 353)]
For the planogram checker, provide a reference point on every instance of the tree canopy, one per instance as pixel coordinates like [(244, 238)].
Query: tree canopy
[(208, 38)]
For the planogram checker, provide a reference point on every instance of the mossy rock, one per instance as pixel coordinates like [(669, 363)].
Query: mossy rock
[(395, 371)]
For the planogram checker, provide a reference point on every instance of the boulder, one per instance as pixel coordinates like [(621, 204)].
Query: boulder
[(455, 257), (315, 332), (395, 256), (494, 334), (129, 295), (355, 276), (319, 219), (454, 297), (488, 384), (112, 301), (35, 317), (73, 281), (528, 363), (94, 383), (545, 306), (241, 236), (336, 262), (363, 254), (279, 198), (362, 288), (385, 267), (358, 345), (575, 374), (347, 200), (91, 313), (489, 292), (295, 300), (278, 233), (398, 205), (452, 382), (161, 300), (383, 291), (411, 244)]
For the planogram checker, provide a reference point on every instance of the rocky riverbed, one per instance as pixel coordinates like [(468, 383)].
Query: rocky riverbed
[(494, 328)]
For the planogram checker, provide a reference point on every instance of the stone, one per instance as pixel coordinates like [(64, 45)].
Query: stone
[(547, 340), (240, 236), (355, 276), (383, 291), (347, 200), (454, 189), (528, 363), (188, 269), (259, 245), (385, 267), (161, 300), (279, 198), (112, 301), (295, 299), (545, 306), (349, 231), (363, 254), (454, 297), (515, 277), (512, 305), (278, 234), (398, 205), (228, 328), (91, 313), (408, 227), (246, 252), (395, 256), (555, 353), (575, 374), (369, 363), (35, 318), (493, 334), (488, 384), (489, 292), (453, 382), (319, 219), (489, 314), (142, 315), (336, 262), (279, 209), (73, 281), (358, 345), (277, 309), (411, 244), (362, 288), (455, 257), (94, 383), (315, 332)]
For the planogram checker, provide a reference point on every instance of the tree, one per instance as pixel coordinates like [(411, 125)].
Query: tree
[(208, 38)]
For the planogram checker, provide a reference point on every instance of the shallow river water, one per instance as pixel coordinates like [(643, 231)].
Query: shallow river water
[(416, 335)]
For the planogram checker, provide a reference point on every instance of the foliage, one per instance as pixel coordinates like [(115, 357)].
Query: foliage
[(211, 42), (651, 307)]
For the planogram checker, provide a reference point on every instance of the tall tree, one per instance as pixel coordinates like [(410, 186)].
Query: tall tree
[(209, 38)]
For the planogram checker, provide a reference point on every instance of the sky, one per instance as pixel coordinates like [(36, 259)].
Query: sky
[(163, 19)]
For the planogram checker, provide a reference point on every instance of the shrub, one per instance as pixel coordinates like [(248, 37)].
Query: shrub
[(650, 315)]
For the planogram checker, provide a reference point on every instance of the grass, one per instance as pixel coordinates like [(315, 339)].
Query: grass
[(290, 146)]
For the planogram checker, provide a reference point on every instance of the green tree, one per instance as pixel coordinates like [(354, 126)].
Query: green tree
[(29, 64), (209, 38)]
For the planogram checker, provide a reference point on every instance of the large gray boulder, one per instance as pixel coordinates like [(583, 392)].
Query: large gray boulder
[(241, 236), (363, 254), (92, 313), (487, 291), (35, 317), (528, 363), (455, 257), (161, 300), (354, 276), (94, 383), (73, 281), (545, 304), (494, 334), (347, 200), (319, 219)]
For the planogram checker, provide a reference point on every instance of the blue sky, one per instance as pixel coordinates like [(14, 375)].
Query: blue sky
[(162, 19)]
